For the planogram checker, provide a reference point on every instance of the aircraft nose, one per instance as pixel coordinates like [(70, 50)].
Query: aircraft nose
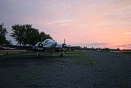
[(55, 43)]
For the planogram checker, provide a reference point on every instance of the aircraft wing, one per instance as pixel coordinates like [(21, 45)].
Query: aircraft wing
[(19, 47)]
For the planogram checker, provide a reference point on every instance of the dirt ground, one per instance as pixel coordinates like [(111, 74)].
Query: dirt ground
[(28, 71)]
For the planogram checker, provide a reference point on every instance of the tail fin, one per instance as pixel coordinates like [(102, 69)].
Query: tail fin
[(64, 41)]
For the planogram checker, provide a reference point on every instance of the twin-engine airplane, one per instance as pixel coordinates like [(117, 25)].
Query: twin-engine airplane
[(45, 46)]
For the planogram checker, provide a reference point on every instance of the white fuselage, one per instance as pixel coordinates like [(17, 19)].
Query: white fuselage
[(49, 44)]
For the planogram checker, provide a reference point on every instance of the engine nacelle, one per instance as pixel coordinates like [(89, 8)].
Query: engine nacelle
[(61, 47), (38, 46)]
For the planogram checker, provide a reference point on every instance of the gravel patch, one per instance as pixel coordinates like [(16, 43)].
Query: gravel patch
[(27, 71)]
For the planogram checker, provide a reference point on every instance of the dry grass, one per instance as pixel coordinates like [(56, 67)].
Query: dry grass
[(7, 52)]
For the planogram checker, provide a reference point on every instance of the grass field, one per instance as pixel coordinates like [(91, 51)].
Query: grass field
[(80, 57), (7, 52), (122, 52), (125, 53)]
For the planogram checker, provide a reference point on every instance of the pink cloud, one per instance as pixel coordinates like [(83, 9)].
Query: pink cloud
[(78, 21)]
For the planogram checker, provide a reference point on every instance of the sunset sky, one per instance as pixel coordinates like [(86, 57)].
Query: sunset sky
[(91, 23)]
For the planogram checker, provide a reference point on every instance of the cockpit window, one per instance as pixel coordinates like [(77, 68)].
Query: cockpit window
[(46, 41)]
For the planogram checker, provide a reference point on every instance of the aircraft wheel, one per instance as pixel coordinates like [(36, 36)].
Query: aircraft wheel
[(61, 55), (38, 54)]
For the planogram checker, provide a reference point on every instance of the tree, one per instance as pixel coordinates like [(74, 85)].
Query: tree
[(44, 36), (32, 36), (3, 33), (18, 33), (26, 35)]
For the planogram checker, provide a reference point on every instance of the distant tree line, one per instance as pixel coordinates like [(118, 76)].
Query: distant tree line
[(25, 34)]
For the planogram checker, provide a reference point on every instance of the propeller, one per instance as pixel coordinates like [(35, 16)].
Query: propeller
[(40, 45), (64, 45)]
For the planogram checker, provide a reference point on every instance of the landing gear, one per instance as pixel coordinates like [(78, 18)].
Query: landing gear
[(38, 54), (61, 55)]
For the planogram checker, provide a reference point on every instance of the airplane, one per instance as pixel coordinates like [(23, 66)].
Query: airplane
[(48, 45)]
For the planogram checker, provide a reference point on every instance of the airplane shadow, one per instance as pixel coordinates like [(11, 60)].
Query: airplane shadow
[(27, 60)]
